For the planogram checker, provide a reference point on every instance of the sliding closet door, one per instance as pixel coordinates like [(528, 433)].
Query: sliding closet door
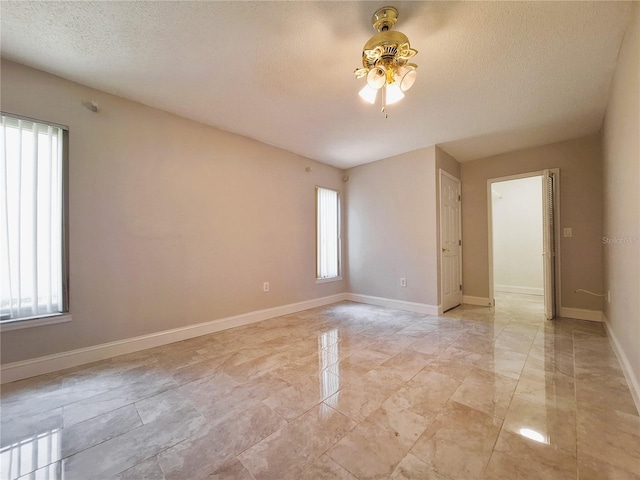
[(549, 189)]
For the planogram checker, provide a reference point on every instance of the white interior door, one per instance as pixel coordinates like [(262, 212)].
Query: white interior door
[(549, 239), (450, 241)]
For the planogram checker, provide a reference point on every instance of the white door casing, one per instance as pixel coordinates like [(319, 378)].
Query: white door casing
[(450, 242), (551, 245)]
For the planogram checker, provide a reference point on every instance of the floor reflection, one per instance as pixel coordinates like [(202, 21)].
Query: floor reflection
[(30, 454), (533, 435), (328, 350)]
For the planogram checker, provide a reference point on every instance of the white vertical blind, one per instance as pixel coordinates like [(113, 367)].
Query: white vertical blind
[(30, 219), (328, 232)]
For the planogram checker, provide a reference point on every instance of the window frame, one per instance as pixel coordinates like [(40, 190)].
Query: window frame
[(338, 277), (64, 315)]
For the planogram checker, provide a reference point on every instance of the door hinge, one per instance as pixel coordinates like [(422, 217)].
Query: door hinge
[(460, 287), (460, 242), (459, 197)]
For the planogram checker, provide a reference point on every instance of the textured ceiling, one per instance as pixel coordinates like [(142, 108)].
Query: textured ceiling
[(492, 77)]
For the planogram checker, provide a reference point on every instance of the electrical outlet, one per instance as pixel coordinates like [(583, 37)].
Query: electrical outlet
[(265, 287), (567, 232), (403, 282), (608, 296)]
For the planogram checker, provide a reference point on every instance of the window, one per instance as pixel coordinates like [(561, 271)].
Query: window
[(328, 234), (33, 248)]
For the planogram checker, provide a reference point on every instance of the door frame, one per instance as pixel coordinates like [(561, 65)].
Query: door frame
[(441, 282), (557, 279)]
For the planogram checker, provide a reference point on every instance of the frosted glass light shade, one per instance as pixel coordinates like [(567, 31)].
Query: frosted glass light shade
[(394, 93), (377, 77), (408, 77), (368, 94)]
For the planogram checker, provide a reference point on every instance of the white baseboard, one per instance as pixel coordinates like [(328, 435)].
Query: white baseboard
[(517, 289), (629, 375), (59, 361), (581, 314), (392, 303), (469, 300)]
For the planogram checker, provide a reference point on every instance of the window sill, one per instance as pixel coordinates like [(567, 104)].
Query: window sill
[(9, 325), (327, 280)]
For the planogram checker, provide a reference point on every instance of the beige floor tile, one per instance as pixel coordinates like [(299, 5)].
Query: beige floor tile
[(516, 457), (98, 429), (291, 450), (487, 329), (603, 387), (218, 441), (295, 399), (472, 342), (147, 470), (455, 356), (37, 401), (350, 370), (359, 399), (292, 372), (196, 371), (486, 391), (391, 344), (546, 360), (425, 394), (427, 346), (412, 468), (232, 470), (325, 469), (405, 364), (545, 424), (453, 370), (374, 448), (419, 329), (120, 453), (609, 436), (256, 402), (590, 468), (514, 341), (504, 362), (113, 399), (459, 442), (547, 389)]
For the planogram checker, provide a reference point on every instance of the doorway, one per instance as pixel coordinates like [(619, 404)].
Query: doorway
[(523, 241)]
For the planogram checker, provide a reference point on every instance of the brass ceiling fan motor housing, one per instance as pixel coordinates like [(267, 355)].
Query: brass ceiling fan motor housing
[(388, 48)]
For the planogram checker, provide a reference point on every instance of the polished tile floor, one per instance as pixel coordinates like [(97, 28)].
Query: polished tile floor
[(347, 391)]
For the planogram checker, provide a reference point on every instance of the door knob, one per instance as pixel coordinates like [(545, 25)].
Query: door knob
[(445, 250)]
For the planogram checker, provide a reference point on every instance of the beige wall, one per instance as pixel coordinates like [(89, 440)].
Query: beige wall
[(172, 222), (621, 220), (447, 163), (580, 208), (392, 222), (391, 218)]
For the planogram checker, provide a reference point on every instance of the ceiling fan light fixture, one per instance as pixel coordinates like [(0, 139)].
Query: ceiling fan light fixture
[(368, 94), (377, 77), (385, 59), (394, 93), (408, 75)]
